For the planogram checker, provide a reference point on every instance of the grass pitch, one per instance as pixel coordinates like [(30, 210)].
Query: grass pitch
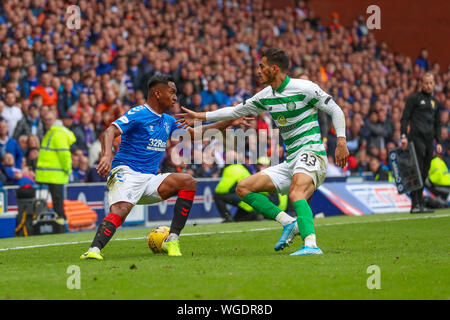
[(237, 261)]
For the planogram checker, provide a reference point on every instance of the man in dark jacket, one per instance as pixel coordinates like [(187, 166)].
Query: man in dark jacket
[(422, 114), (30, 124)]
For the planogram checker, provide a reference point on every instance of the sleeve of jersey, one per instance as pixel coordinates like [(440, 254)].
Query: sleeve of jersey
[(175, 127), (326, 103), (125, 122), (250, 106)]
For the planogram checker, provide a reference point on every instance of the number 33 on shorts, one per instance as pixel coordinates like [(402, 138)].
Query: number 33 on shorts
[(308, 161)]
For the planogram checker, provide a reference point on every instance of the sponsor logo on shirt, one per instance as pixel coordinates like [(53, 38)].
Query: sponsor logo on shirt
[(281, 120), (433, 105), (156, 145)]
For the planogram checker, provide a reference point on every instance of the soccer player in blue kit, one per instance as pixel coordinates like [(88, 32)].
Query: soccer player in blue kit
[(132, 173)]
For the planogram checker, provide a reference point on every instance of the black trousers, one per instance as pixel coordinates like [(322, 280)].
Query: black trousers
[(56, 191), (232, 198), (222, 200), (424, 153)]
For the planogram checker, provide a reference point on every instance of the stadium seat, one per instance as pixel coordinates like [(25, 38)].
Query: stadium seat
[(79, 215)]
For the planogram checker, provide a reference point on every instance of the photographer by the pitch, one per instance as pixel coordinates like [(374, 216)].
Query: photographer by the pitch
[(422, 113)]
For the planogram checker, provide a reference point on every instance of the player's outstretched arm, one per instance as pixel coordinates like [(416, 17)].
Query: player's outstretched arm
[(227, 113), (106, 156), (188, 118), (221, 125)]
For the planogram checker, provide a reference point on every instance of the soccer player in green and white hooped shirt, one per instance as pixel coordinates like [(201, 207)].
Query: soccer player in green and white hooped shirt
[(293, 104)]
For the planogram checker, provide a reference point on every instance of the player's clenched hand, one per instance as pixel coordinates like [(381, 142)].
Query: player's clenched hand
[(104, 165), (341, 153)]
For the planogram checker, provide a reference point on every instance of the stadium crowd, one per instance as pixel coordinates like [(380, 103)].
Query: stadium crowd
[(92, 75)]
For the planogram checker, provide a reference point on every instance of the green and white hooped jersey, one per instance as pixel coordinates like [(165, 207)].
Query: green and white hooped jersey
[(294, 107)]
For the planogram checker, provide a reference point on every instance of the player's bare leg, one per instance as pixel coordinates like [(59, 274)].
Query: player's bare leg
[(248, 189), (185, 186), (302, 188)]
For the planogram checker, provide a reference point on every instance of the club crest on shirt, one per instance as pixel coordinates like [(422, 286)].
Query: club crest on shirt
[(290, 106), (166, 126), (151, 128), (433, 105)]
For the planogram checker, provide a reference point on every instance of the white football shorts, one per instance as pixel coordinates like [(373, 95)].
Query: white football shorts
[(125, 184), (307, 162)]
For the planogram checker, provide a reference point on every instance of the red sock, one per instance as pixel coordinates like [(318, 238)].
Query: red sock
[(187, 194), (106, 230), (115, 219), (181, 210)]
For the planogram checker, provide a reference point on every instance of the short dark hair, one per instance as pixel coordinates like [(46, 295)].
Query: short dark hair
[(278, 57), (157, 79)]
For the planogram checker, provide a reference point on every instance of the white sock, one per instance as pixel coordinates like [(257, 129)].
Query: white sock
[(310, 241), (172, 237), (284, 219), (94, 249)]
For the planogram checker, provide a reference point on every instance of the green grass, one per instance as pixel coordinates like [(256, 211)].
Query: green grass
[(235, 261)]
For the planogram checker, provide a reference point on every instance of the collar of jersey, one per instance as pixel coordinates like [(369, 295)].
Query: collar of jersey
[(283, 85), (150, 108)]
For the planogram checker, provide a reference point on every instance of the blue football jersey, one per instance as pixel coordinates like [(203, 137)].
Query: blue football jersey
[(144, 138)]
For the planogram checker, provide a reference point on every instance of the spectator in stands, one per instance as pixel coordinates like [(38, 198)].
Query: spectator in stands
[(186, 96), (9, 145), (112, 106), (197, 102), (23, 143), (29, 82), (30, 123), (92, 174), (104, 66), (212, 95), (422, 60), (135, 71), (354, 139), (230, 95), (11, 112), (379, 172), (80, 167), (46, 91), (15, 176), (83, 105), (374, 131), (387, 125), (67, 98)]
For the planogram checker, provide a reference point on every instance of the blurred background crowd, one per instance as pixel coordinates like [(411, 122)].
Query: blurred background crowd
[(92, 75)]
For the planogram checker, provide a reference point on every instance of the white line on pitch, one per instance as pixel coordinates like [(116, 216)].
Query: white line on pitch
[(230, 231)]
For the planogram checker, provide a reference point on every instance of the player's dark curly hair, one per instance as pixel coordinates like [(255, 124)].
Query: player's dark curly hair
[(157, 79), (278, 57)]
